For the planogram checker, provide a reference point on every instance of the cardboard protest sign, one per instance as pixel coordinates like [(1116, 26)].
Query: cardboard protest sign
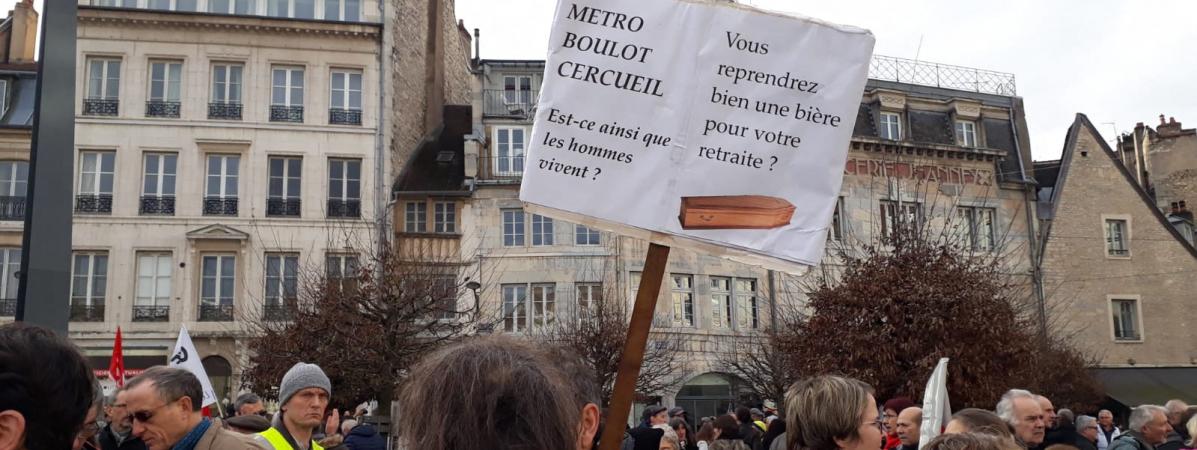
[(700, 124)]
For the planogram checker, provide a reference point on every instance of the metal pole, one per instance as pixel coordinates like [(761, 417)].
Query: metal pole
[(43, 297)]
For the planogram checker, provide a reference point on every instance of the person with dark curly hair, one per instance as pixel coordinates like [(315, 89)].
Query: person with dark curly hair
[(46, 390)]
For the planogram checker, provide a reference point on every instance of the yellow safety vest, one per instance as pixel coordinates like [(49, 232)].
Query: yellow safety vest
[(279, 442)]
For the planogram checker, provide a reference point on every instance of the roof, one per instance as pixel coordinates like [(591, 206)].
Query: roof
[(438, 165), (1133, 386), (21, 101)]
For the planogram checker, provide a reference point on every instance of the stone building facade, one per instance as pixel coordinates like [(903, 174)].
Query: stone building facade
[(1163, 161), (18, 85)]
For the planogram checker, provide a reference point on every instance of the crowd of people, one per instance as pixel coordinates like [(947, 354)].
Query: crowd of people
[(500, 392)]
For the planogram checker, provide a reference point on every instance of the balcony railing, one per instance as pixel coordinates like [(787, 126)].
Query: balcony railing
[(344, 208), (941, 75), (1119, 252), (93, 203), (158, 108), (220, 206), (338, 116), (87, 313), (158, 206), (8, 307), (282, 207), (502, 168), (276, 313), (501, 103), (224, 111), (281, 113), (100, 107), (151, 313), (12, 208), (216, 313)]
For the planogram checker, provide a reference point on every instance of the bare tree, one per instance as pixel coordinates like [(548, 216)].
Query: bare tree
[(764, 361)]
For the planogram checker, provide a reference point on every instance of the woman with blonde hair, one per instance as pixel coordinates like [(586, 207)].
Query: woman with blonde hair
[(832, 413)]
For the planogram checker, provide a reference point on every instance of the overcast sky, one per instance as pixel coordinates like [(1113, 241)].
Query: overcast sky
[(1119, 62)]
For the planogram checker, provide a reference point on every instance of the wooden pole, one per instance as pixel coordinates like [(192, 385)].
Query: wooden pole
[(633, 350)]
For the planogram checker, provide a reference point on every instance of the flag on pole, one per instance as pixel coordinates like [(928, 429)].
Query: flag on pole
[(185, 357), (936, 409), (116, 365)]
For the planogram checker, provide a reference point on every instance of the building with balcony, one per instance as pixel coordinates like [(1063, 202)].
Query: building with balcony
[(224, 148), (18, 86)]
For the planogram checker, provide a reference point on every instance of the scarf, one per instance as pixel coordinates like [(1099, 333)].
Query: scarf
[(192, 438)]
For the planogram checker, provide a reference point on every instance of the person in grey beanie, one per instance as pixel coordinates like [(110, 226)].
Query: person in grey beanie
[(303, 396)]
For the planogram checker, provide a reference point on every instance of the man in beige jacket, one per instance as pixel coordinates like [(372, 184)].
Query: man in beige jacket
[(165, 405)]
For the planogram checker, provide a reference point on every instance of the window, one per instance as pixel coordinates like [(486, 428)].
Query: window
[(517, 89), (95, 182), (542, 230), (298, 9), (117, 3), (891, 126), (217, 288), (443, 293), (584, 235), (171, 5), (721, 303), (347, 10), (232, 6), (1116, 238), (515, 308), (222, 175), (513, 227), (283, 197), (975, 228), (103, 87), (544, 305), (342, 270), (226, 82), (415, 217), (747, 306), (509, 159), (14, 178), (899, 215), (166, 81), (344, 188), (445, 217), (634, 284), (683, 300), (836, 233), (286, 94), (89, 283), (282, 283), (966, 133), (10, 264), (158, 183), (588, 295), (346, 90), (153, 280), (1126, 319)]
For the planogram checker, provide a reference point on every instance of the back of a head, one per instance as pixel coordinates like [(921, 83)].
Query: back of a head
[(1065, 416), (1143, 414), (743, 414), (247, 398), (1084, 422), (822, 409), (488, 392), (728, 428), (977, 420), (966, 441), (45, 379)]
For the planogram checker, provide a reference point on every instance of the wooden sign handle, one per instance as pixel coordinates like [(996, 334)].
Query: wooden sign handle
[(633, 350)]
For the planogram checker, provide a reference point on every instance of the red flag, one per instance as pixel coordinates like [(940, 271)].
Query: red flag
[(116, 367)]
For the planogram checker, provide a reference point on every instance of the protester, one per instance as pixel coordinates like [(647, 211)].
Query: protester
[(1107, 431), (248, 404), (758, 419), (777, 427), (654, 415), (1021, 410), (728, 437), (118, 434), (749, 432), (966, 441), (682, 429), (977, 421), (46, 389), (770, 410), (165, 403), (1065, 416), (362, 436), (1176, 411), (1147, 429), (910, 420), (832, 413), (669, 438), (707, 433), (1087, 430), (1191, 427), (249, 424), (87, 435), (1059, 430), (303, 397), (891, 409), (1049, 412), (494, 392)]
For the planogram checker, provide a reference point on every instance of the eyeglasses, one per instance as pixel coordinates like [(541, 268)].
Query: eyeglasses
[(89, 429), (145, 416), (878, 422)]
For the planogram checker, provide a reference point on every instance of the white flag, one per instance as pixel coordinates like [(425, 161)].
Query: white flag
[(936, 409), (185, 357)]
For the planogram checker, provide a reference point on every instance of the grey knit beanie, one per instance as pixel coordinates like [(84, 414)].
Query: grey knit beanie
[(302, 376)]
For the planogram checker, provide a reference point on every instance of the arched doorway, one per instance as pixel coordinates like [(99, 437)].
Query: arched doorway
[(220, 373), (709, 394)]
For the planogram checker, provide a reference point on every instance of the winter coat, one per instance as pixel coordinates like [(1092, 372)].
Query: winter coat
[(1130, 441), (217, 438), (779, 443), (365, 437), (750, 434), (1084, 444), (1102, 442), (729, 444), (107, 441), (1175, 442), (1063, 434)]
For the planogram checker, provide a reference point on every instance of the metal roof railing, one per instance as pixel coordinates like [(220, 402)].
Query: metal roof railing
[(910, 71)]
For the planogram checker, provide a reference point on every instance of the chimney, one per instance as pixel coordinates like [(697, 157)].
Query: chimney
[(1181, 205), (1162, 120), (1169, 129), (23, 34), (1175, 207)]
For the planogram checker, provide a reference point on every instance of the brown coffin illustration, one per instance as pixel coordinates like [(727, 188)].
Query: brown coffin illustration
[(735, 212)]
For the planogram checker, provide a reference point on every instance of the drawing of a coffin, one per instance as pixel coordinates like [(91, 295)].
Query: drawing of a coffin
[(735, 212)]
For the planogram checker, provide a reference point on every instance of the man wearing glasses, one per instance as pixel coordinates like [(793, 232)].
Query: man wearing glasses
[(1086, 427), (165, 405), (118, 434)]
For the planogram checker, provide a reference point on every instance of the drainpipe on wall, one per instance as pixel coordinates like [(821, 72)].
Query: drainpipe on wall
[(1032, 234), (772, 300), (382, 195)]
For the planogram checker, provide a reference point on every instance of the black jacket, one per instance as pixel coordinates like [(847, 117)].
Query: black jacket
[(108, 441), (1064, 434), (365, 437), (1175, 442), (1084, 444)]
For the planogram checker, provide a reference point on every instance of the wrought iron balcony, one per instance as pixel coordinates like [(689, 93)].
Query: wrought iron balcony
[(151, 313), (87, 313), (220, 206), (344, 208), (158, 108), (100, 107), (1119, 252), (284, 207), (216, 313), (501, 103), (276, 313), (158, 206), (281, 113), (93, 203), (8, 307), (224, 111), (12, 208), (502, 169), (338, 116)]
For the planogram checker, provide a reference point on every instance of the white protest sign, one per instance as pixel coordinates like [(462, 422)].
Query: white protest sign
[(706, 124), (186, 357), (936, 408)]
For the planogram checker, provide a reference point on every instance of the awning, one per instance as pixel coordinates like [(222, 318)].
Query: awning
[(1134, 386)]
